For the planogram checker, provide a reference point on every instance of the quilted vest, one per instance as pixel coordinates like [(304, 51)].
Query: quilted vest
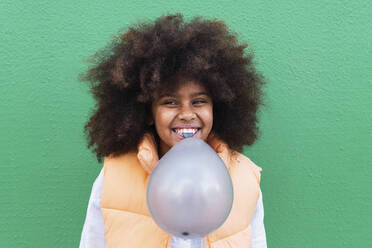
[(127, 220)]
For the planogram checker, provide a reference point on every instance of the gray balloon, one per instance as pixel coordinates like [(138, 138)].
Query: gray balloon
[(190, 192)]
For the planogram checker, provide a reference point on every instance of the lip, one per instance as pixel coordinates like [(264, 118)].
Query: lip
[(181, 137), (186, 126)]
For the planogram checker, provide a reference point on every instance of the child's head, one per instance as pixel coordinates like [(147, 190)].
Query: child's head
[(185, 110), (169, 74)]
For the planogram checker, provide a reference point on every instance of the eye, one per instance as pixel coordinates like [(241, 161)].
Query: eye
[(169, 102), (199, 101)]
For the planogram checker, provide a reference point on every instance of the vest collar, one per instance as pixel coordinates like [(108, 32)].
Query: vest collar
[(148, 155)]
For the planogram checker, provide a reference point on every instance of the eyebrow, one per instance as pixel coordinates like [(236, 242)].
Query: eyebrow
[(175, 95)]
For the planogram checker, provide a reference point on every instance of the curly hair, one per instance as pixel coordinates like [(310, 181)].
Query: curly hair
[(126, 74)]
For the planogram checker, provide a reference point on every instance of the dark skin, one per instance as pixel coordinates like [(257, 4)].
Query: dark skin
[(189, 108)]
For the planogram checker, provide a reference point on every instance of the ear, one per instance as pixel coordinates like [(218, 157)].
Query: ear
[(150, 121), (149, 117)]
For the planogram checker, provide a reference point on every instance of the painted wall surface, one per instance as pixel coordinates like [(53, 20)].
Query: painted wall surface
[(316, 129)]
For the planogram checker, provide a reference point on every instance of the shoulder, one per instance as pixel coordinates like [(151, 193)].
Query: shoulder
[(243, 160), (232, 157)]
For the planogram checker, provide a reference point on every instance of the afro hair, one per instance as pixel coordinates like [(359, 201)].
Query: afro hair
[(126, 74)]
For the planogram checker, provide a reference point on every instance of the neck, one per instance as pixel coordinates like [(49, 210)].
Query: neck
[(161, 149)]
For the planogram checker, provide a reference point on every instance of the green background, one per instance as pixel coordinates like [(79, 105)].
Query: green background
[(315, 145)]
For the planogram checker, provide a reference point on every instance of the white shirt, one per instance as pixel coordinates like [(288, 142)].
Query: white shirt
[(93, 234)]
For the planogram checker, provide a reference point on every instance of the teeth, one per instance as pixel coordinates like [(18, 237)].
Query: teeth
[(186, 130)]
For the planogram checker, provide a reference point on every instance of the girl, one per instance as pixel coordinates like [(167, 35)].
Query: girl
[(154, 84)]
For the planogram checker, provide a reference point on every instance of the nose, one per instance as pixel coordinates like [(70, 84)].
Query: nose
[(187, 113)]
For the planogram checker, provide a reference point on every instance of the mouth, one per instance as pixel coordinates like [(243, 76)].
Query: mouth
[(183, 133)]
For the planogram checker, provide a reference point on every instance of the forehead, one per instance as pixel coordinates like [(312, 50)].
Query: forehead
[(182, 87)]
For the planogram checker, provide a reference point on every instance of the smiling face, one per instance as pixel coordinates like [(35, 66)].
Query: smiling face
[(184, 112)]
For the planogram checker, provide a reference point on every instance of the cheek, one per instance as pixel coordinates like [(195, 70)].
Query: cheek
[(162, 119), (207, 116)]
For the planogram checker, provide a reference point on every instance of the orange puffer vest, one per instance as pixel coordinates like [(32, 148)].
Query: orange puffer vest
[(128, 222)]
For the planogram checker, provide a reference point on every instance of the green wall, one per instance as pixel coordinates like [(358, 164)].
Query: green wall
[(315, 146)]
